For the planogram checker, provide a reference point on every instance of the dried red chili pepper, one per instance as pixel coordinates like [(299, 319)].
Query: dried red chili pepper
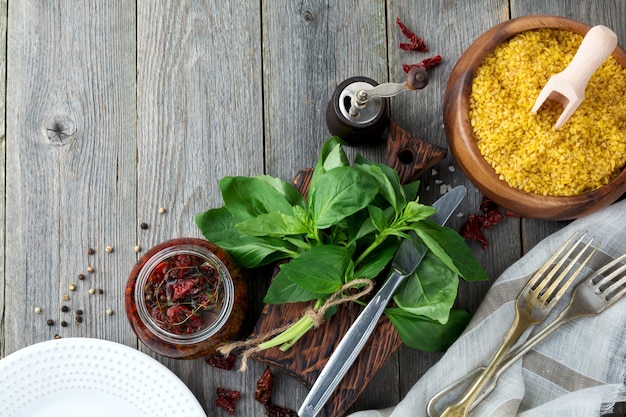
[(273, 410), (490, 219), (227, 399), (486, 204), (470, 230), (264, 387), (509, 213), (491, 215), (222, 362), (416, 43), (427, 64)]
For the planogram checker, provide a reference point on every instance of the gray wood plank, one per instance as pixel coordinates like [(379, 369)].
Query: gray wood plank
[(70, 167), (3, 66), (200, 118), (308, 49)]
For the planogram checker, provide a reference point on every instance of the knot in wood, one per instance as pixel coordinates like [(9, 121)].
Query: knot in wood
[(59, 129), (307, 16)]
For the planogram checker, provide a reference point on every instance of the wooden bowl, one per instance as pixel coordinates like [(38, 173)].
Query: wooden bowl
[(463, 145)]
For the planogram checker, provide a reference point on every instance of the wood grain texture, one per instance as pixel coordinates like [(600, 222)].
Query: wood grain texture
[(200, 118), (3, 66), (71, 153), (111, 110)]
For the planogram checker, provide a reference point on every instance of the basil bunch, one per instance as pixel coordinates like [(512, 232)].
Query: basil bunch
[(347, 229)]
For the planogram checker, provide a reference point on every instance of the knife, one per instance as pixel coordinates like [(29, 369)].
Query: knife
[(406, 259)]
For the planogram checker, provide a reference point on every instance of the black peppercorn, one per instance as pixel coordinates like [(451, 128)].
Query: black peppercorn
[(64, 323), (50, 322), (144, 226), (79, 319), (91, 251), (79, 312), (81, 277), (65, 309)]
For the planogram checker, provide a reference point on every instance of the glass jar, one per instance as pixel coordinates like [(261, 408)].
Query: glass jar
[(185, 297)]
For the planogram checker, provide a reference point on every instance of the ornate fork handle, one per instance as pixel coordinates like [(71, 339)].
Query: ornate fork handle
[(533, 305), (591, 297)]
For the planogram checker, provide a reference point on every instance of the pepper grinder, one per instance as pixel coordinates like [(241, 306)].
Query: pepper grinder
[(358, 111)]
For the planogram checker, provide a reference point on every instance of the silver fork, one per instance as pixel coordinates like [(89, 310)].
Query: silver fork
[(599, 291), (533, 304)]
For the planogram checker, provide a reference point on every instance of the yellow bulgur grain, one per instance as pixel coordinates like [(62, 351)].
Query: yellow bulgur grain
[(525, 149)]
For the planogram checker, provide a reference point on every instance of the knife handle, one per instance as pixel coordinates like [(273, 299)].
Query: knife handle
[(349, 347)]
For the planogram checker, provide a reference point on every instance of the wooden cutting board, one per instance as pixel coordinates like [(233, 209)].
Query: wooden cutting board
[(410, 157)]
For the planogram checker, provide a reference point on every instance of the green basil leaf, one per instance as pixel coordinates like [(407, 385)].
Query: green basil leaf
[(451, 248), (247, 197), (430, 291), (428, 335), (340, 193), (331, 156), (272, 224), (298, 242), (218, 227), (411, 189), (375, 262), (320, 270), (388, 182), (283, 290), (286, 189), (415, 211), (378, 218)]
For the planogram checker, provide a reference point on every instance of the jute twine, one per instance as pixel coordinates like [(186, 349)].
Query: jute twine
[(316, 316)]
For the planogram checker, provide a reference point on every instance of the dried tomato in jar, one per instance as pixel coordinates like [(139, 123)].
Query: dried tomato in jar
[(185, 297)]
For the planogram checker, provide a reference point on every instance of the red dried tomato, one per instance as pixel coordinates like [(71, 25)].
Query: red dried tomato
[(226, 362), (427, 64), (416, 43), (185, 288), (470, 230), (273, 410), (264, 387), (226, 399)]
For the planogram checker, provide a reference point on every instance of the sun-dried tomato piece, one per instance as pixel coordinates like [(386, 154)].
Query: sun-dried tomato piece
[(185, 289), (226, 362), (416, 43), (226, 399), (470, 230), (426, 64), (264, 387), (273, 410)]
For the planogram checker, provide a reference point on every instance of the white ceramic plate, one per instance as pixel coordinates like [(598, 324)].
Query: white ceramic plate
[(77, 377)]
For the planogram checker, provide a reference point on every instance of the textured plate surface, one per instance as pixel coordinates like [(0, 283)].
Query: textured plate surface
[(74, 377)]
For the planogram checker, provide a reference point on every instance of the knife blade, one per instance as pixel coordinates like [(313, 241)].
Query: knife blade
[(408, 256)]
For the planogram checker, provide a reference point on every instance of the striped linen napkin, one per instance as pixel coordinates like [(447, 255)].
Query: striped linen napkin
[(578, 371)]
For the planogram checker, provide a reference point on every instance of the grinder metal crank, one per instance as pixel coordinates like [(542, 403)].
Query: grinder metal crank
[(358, 111)]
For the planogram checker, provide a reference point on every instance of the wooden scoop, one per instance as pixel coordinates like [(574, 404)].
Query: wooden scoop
[(568, 86)]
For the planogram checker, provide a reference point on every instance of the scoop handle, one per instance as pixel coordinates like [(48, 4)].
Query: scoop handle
[(595, 48)]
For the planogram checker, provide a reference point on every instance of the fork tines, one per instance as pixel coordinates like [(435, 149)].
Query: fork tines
[(610, 280), (565, 263)]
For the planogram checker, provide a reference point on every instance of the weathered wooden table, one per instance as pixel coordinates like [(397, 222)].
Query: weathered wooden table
[(114, 109)]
